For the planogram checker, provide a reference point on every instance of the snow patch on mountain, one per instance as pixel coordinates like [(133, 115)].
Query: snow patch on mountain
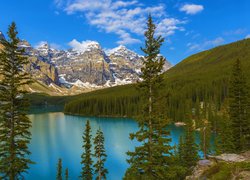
[(122, 51)]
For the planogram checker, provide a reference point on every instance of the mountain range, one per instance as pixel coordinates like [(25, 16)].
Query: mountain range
[(73, 71), (204, 76)]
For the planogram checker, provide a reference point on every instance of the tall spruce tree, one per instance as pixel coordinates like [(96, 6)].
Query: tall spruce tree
[(14, 123), (87, 170), (224, 136), (59, 169), (151, 159), (180, 150), (239, 108), (190, 148), (100, 156)]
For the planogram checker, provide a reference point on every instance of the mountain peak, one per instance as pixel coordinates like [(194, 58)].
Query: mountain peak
[(43, 45), (84, 45), (121, 47), (118, 50)]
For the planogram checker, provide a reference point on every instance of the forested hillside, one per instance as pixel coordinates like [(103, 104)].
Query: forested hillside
[(115, 101), (203, 77)]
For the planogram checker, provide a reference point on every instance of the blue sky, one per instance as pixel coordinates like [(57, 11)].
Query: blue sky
[(189, 26)]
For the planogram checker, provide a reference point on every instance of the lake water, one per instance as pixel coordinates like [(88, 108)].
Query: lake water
[(55, 135)]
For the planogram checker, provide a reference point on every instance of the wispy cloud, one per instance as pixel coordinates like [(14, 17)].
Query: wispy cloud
[(81, 46), (205, 45), (191, 8), (52, 45), (247, 36), (239, 31), (55, 46), (124, 18)]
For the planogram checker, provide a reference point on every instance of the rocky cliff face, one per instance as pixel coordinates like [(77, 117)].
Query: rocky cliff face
[(39, 65), (83, 69), (90, 65)]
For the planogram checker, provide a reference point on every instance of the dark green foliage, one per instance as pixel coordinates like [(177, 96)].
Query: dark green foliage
[(177, 169), (205, 134), (224, 137), (239, 108), (180, 150), (189, 149), (203, 77), (66, 174), (100, 156), (122, 102), (151, 159), (59, 170), (87, 171), (186, 156), (14, 124)]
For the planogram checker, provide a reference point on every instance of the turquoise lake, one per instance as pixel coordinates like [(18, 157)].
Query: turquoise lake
[(55, 135)]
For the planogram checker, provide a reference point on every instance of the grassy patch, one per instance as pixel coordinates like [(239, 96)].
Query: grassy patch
[(223, 170)]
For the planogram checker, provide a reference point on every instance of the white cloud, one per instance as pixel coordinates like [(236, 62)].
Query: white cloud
[(168, 26), (124, 18), (119, 4), (191, 8), (81, 46), (214, 42), (247, 36), (126, 38), (205, 45), (51, 45)]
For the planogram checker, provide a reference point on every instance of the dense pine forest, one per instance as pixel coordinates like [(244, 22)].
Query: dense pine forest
[(201, 78)]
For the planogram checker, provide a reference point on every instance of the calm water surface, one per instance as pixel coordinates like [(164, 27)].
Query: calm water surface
[(55, 135)]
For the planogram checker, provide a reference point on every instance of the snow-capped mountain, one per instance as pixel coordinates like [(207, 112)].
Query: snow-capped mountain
[(85, 67)]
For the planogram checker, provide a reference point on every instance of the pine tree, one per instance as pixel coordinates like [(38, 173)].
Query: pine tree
[(14, 123), (205, 135), (239, 108), (224, 137), (87, 171), (181, 150), (59, 170), (66, 174), (150, 160), (190, 148), (100, 156), (187, 150)]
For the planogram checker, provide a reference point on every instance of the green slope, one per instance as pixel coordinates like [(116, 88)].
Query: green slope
[(212, 64), (200, 77)]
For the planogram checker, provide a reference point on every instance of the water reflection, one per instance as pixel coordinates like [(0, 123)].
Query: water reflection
[(55, 135)]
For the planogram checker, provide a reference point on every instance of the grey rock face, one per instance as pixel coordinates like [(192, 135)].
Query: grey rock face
[(90, 66), (39, 64)]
